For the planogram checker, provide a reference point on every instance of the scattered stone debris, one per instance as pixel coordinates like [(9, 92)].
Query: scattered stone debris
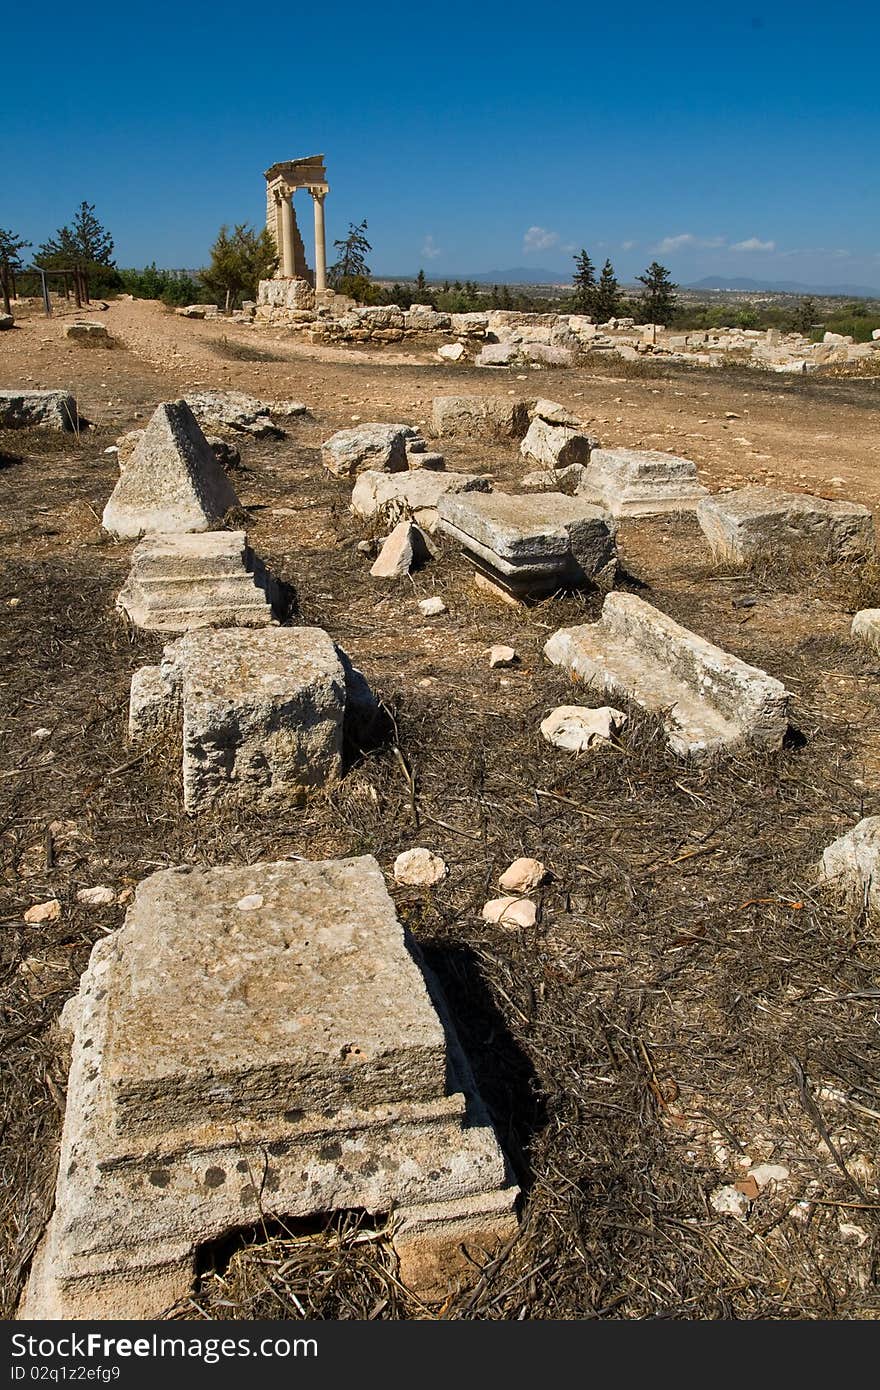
[(853, 861), (499, 655), (729, 1201), (866, 626), (172, 482), (100, 896), (641, 482), (375, 446), (528, 547), (240, 413), (510, 911), (757, 520), (404, 549), (706, 698), (522, 876), (415, 493), (211, 579), (54, 410), (420, 868), (432, 607), (479, 417), (578, 727), (43, 912), (245, 1011)]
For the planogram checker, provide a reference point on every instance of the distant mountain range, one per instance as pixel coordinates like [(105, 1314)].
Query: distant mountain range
[(743, 283), (519, 275)]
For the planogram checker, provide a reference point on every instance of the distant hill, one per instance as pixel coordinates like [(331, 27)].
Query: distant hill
[(519, 275), (743, 283)]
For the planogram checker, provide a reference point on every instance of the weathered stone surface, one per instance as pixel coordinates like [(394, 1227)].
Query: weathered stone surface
[(866, 626), (419, 868), (642, 482), (523, 875), (501, 655), (757, 520), (531, 544), (577, 727), (212, 579), (510, 911), (262, 712), (277, 1014), (472, 325), (480, 417), (548, 355), (89, 334), (172, 482), (421, 318), (554, 414), (450, 352), (374, 446), (403, 549), (54, 410), (432, 607), (237, 412), (497, 355), (556, 446), (415, 493), (706, 698), (285, 293), (853, 861)]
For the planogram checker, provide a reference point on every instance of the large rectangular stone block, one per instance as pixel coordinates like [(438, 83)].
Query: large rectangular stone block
[(760, 521), (480, 417), (210, 579), (642, 482)]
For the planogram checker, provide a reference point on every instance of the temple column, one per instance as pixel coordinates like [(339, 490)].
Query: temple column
[(287, 255), (318, 196)]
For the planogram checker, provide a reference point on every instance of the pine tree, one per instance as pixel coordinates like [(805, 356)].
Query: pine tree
[(805, 316), (584, 298), (11, 246), (238, 262), (85, 243), (352, 255), (657, 304), (607, 296), (421, 285)]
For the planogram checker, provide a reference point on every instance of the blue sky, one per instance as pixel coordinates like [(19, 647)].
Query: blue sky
[(723, 140)]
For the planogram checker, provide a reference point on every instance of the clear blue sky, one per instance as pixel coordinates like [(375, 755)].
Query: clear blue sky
[(728, 139)]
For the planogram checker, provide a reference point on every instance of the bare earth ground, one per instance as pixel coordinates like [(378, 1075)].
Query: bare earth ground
[(690, 1003)]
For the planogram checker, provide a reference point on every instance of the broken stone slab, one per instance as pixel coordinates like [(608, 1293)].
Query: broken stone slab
[(577, 728), (211, 579), (172, 482), (866, 626), (415, 493), (853, 861), (548, 355), (557, 446), (262, 712), (451, 352), (497, 355), (530, 546), (403, 549), (569, 480), (375, 446), (422, 318), (262, 1042), (89, 334), (642, 482), (760, 521), (480, 417), (239, 412), (54, 410), (554, 414), (706, 698)]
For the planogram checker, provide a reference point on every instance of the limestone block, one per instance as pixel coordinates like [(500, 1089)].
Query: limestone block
[(451, 352), (415, 493), (400, 552), (469, 325), (866, 626), (172, 482), (375, 446), (421, 318), (706, 698), (554, 414), (89, 334), (756, 520), (235, 411), (853, 861), (556, 445), (497, 355), (260, 1042), (209, 579), (546, 355), (54, 410), (643, 482), (382, 316), (480, 417), (285, 293)]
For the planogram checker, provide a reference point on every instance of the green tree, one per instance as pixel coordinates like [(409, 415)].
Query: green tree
[(607, 297), (657, 304), (11, 246), (805, 316), (351, 260), (584, 299), (421, 284), (239, 260), (85, 243)]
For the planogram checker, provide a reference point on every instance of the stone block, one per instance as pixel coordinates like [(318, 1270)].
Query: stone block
[(89, 334), (706, 698), (866, 627), (54, 410), (497, 355), (261, 1042), (237, 412), (415, 493), (212, 579), (375, 446), (172, 482), (480, 417), (556, 446), (548, 355), (421, 318), (853, 862), (451, 352), (760, 521), (642, 482), (469, 325)]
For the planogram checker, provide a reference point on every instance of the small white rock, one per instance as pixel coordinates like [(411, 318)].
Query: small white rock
[(502, 656), (44, 912), (419, 868), (451, 352), (41, 733), (432, 607), (511, 912), (763, 1173), (728, 1201), (101, 896), (252, 902), (522, 876), (577, 728), (849, 1231)]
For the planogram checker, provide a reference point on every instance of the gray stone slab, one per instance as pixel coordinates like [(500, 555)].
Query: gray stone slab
[(531, 529), (643, 482), (853, 862), (760, 521), (54, 410), (210, 579), (374, 446), (172, 483), (707, 698), (480, 417), (414, 493)]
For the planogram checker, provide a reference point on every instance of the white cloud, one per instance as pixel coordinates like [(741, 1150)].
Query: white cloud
[(839, 253), (628, 245), (539, 239), (753, 243), (430, 250), (688, 241)]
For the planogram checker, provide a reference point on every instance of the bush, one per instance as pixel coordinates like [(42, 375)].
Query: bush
[(173, 287)]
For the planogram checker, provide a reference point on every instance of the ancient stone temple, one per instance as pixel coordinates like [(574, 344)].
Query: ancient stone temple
[(282, 181)]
